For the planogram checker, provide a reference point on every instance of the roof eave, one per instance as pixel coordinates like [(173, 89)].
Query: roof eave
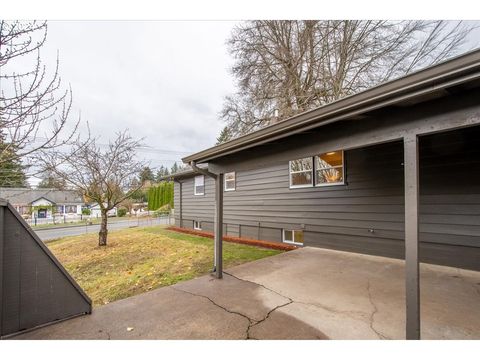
[(415, 84)]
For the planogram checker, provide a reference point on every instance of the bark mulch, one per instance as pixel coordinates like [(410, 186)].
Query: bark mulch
[(245, 241)]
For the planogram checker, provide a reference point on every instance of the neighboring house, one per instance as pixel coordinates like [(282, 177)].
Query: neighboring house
[(345, 176), (96, 212), (43, 203)]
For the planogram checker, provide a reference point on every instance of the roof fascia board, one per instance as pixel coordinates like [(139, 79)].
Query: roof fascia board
[(375, 106), (428, 79)]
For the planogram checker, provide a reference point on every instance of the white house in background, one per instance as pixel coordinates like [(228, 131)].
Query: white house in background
[(96, 213), (43, 203)]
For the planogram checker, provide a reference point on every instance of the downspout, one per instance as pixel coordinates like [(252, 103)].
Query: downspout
[(194, 166), (180, 205), (218, 223)]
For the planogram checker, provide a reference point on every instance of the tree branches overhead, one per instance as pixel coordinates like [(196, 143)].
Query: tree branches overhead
[(34, 107), (104, 176), (287, 67)]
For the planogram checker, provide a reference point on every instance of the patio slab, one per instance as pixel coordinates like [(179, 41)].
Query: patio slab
[(308, 293)]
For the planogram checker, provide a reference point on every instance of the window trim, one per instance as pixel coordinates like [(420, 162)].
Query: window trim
[(293, 237), (195, 185), (199, 225), (333, 167), (290, 172), (234, 181)]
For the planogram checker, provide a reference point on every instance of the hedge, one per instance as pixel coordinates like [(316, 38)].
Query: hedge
[(160, 195)]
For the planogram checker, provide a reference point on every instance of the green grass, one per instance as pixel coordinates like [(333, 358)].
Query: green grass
[(139, 260)]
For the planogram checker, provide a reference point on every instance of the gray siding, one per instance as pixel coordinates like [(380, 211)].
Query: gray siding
[(195, 207), (367, 214)]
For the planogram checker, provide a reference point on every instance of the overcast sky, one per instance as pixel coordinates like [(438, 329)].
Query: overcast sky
[(164, 81)]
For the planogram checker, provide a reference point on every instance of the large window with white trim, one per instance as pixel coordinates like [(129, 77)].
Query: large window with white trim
[(199, 186), (293, 236), (229, 180), (301, 172), (329, 168), (320, 170)]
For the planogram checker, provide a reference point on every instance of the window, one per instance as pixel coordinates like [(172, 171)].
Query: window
[(196, 225), (293, 236), (70, 209), (230, 181), (329, 168), (199, 187), (301, 172)]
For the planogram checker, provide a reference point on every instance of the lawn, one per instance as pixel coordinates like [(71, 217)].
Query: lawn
[(142, 259)]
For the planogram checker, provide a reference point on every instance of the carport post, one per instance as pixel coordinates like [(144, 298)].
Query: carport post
[(218, 226), (2, 234), (412, 290)]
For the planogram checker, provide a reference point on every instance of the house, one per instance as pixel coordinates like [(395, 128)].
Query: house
[(391, 171), (96, 212), (43, 203)]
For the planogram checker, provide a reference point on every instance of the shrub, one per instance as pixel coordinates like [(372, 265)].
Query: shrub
[(86, 211), (164, 210), (121, 212)]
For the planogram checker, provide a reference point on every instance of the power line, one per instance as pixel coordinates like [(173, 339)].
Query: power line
[(143, 148)]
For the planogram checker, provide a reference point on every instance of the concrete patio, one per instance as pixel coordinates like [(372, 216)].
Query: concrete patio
[(308, 293)]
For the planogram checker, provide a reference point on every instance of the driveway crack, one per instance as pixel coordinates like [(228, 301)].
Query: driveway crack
[(267, 316), (372, 316), (261, 285), (250, 321)]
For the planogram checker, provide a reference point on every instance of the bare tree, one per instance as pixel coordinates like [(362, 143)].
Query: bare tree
[(106, 177), (34, 108), (287, 67)]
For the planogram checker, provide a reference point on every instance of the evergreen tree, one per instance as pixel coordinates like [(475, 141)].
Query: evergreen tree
[(146, 175), (175, 168), (161, 172), (12, 172), (224, 136), (50, 181)]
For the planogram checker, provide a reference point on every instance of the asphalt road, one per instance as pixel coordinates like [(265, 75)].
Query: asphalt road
[(55, 233)]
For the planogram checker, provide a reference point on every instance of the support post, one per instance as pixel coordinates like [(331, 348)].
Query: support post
[(2, 234), (412, 289), (218, 226), (180, 204)]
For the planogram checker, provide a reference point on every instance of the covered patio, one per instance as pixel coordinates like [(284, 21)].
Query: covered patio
[(439, 100), (309, 293)]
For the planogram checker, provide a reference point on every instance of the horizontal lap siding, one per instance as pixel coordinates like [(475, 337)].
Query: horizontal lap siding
[(367, 214), (450, 198), (372, 199), (195, 207)]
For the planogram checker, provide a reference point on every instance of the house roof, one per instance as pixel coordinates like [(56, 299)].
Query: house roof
[(413, 88), (187, 172), (25, 196)]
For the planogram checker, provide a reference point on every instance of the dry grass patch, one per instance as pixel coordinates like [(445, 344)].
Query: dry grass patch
[(138, 260)]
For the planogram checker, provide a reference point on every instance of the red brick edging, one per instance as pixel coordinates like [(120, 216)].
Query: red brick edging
[(245, 241)]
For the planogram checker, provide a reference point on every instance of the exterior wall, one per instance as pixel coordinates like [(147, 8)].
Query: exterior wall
[(96, 212), (367, 214), (195, 207)]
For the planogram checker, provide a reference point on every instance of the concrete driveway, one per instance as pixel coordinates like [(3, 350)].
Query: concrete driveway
[(303, 294)]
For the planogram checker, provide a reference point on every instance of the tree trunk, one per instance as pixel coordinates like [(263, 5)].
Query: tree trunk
[(102, 234)]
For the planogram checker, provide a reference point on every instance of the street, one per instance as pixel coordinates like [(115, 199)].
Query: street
[(55, 233)]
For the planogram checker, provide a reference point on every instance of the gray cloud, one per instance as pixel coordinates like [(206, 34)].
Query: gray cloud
[(163, 80)]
